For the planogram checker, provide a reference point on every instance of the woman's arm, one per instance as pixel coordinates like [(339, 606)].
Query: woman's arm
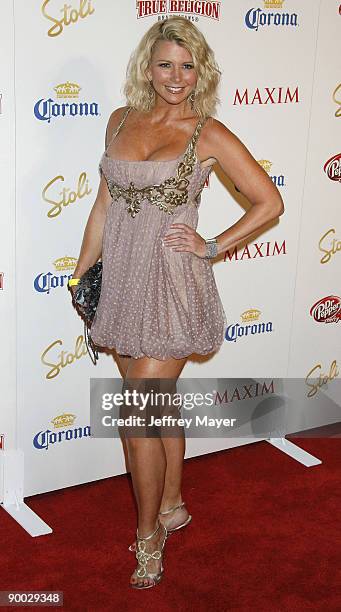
[(91, 248), (251, 180), (219, 143)]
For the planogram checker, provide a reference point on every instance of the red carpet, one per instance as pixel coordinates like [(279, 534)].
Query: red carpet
[(265, 536)]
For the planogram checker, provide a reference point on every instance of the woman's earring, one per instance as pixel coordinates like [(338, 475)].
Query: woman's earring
[(191, 98), (151, 94)]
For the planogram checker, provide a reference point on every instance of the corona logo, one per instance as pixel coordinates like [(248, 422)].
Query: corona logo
[(70, 14), (337, 100), (43, 439), (63, 420), (236, 331), (277, 179), (185, 8), (65, 263), (332, 168), (273, 4), (67, 90), (44, 282), (327, 310), (46, 109), (250, 315), (266, 164), (256, 17)]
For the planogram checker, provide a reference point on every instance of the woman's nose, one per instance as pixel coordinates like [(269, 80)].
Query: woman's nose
[(176, 74)]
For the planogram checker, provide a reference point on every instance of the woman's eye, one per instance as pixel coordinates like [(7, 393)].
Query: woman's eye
[(165, 64)]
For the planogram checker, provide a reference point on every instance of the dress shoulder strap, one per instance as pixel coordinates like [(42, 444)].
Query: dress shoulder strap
[(125, 115), (190, 149)]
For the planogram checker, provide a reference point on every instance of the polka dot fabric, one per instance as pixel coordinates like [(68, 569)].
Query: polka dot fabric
[(155, 302)]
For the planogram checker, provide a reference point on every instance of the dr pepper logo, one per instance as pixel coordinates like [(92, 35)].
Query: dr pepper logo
[(327, 310), (332, 168)]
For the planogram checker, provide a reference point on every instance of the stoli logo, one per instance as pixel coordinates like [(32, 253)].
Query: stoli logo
[(332, 168), (327, 310)]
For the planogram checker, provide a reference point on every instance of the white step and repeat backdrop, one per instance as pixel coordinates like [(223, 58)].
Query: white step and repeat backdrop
[(280, 93)]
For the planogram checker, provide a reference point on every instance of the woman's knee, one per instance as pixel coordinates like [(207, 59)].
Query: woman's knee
[(148, 367)]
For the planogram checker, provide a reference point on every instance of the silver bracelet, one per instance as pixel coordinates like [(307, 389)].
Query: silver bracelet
[(211, 248)]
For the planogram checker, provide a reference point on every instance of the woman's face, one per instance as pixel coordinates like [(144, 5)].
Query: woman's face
[(172, 72)]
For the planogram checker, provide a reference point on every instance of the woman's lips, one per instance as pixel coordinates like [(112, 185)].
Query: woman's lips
[(175, 90)]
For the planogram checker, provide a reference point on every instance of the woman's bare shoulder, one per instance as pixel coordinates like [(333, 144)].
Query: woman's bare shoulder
[(114, 120), (215, 129)]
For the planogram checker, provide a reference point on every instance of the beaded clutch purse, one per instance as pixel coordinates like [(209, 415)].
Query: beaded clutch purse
[(86, 298)]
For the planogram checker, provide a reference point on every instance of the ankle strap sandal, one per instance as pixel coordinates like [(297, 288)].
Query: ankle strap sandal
[(132, 546), (188, 520), (143, 557)]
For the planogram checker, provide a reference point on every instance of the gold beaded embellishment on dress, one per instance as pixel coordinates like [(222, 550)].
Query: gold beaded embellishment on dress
[(169, 194)]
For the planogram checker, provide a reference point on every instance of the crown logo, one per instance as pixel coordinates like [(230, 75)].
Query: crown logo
[(63, 420), (250, 315), (273, 4), (65, 263), (67, 90), (266, 164)]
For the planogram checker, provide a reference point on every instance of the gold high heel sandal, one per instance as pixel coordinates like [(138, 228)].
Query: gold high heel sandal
[(132, 547), (143, 557), (172, 529)]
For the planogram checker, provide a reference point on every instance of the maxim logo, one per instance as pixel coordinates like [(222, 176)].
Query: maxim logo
[(45, 281), (256, 17), (251, 251), (43, 439), (327, 310), (275, 95), (204, 8), (248, 327), (47, 108), (332, 168), (70, 14)]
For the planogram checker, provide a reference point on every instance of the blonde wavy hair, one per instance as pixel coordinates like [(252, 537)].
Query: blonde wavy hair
[(137, 89)]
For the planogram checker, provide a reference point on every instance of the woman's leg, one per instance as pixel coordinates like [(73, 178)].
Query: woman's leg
[(175, 452), (148, 462), (122, 363)]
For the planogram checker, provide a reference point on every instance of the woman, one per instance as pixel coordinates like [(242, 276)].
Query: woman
[(159, 301)]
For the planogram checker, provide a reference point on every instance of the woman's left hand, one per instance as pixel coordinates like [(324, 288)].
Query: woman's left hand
[(185, 238)]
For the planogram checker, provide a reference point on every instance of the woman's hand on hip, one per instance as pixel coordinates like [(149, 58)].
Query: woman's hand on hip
[(185, 239)]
